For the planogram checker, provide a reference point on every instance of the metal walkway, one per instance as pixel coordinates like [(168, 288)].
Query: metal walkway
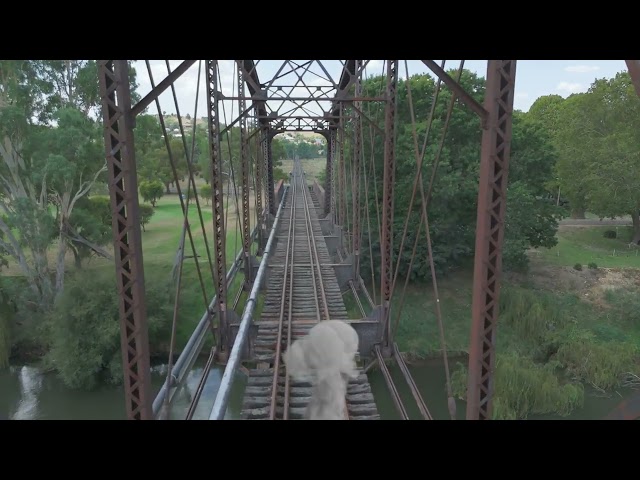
[(298, 296)]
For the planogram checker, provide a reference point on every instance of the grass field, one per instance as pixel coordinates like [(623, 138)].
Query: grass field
[(160, 242), (584, 245), (311, 167)]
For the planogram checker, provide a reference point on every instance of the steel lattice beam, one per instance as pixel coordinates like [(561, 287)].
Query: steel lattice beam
[(217, 194), (123, 191), (267, 137), (494, 167), (259, 187), (342, 184), (244, 160), (357, 150), (386, 247), (329, 180)]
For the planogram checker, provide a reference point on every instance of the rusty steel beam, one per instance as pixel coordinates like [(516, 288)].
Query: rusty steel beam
[(342, 183), (267, 137), (259, 187), (386, 242), (250, 73), (123, 192), (634, 72), (346, 80), (357, 150), (217, 194), (329, 180), (494, 168), (457, 88), (244, 161), (161, 87)]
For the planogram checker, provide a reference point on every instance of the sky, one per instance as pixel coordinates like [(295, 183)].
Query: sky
[(534, 78)]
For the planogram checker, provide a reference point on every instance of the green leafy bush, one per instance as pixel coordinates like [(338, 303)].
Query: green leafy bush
[(84, 328)]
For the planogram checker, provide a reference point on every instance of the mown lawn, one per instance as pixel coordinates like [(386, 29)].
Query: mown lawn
[(584, 245)]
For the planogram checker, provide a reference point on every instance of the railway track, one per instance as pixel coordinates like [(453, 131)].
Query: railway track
[(302, 291)]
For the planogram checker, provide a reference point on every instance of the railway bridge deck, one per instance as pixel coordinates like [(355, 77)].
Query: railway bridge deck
[(302, 290)]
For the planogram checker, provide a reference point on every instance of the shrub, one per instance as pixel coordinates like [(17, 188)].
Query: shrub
[(578, 266), (84, 327), (523, 387), (593, 266), (599, 363)]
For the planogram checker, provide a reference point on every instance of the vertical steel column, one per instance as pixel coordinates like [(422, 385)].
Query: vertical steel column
[(330, 179), (259, 186), (123, 192), (268, 162), (342, 221), (244, 160), (357, 148), (634, 72), (386, 247), (333, 135), (217, 193), (494, 168)]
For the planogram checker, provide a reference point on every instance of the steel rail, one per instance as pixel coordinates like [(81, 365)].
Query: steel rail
[(288, 275), (222, 397)]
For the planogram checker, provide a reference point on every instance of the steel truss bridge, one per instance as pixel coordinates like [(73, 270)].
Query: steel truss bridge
[(302, 246)]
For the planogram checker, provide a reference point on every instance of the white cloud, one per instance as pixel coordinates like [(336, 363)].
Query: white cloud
[(522, 95), (569, 87), (581, 68)]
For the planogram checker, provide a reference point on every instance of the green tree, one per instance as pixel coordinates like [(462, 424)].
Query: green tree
[(151, 191), (574, 142), (146, 212), (531, 221), (84, 327), (205, 193), (156, 164), (90, 228), (46, 168), (613, 172), (546, 111)]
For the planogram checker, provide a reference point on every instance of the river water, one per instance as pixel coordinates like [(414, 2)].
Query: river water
[(28, 394)]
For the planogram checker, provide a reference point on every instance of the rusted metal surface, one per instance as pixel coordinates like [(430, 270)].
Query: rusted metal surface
[(267, 137), (386, 248), (357, 152), (244, 161), (342, 184), (259, 160), (123, 191), (217, 198), (634, 71), (494, 167), (328, 187)]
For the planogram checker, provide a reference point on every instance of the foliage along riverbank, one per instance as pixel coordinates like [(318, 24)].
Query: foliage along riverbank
[(559, 330)]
